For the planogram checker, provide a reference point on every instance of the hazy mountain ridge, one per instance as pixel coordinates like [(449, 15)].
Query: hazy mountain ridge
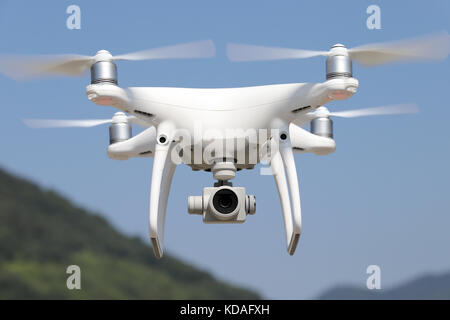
[(430, 286), (41, 233)]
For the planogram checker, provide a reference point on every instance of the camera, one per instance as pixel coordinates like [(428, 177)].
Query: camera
[(224, 204)]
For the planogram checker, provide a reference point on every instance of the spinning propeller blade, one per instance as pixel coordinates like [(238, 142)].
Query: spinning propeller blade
[(191, 50), (54, 123), (82, 123), (20, 66), (430, 47), (405, 108), (377, 111), (245, 52)]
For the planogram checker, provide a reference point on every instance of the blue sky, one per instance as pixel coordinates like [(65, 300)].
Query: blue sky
[(382, 198)]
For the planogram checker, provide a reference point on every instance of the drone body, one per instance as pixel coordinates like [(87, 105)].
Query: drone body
[(229, 129), (235, 123)]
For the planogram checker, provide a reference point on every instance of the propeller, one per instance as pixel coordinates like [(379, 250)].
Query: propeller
[(20, 67), (406, 108), (56, 123), (82, 123), (429, 47)]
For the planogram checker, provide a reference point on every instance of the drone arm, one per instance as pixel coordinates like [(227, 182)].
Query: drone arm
[(163, 170), (109, 95), (304, 141), (294, 193), (310, 96), (141, 145)]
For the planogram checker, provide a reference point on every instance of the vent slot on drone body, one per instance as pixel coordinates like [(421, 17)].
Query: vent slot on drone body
[(144, 113), (300, 109)]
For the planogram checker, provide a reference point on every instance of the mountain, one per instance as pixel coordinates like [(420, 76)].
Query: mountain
[(42, 233), (424, 287)]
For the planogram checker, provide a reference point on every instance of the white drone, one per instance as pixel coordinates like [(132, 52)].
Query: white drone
[(228, 129)]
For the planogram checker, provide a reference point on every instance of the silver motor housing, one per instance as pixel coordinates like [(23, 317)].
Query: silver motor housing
[(119, 132), (339, 64), (224, 204), (104, 72), (322, 126)]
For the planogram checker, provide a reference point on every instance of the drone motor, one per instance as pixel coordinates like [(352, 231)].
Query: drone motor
[(322, 126), (338, 63), (104, 72), (120, 129)]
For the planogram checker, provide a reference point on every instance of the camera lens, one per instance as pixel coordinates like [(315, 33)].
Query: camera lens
[(225, 201)]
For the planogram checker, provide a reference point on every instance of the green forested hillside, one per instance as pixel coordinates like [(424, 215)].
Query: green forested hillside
[(41, 233)]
